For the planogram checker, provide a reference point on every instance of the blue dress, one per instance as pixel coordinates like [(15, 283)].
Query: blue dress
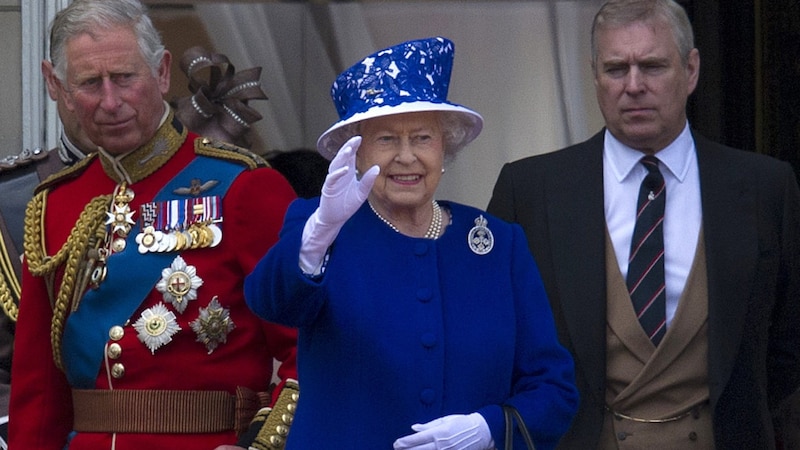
[(403, 330)]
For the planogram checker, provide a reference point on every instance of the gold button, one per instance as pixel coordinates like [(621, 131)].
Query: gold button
[(117, 370), (118, 245), (275, 440), (114, 351), (116, 332), (282, 430), (287, 418)]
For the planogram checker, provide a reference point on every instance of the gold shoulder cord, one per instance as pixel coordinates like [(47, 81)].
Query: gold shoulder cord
[(8, 283), (222, 150), (89, 226), (9, 307)]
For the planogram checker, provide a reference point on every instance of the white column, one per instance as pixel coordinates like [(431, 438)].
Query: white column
[(40, 124)]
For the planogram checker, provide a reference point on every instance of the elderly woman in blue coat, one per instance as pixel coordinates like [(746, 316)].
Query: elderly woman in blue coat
[(418, 318)]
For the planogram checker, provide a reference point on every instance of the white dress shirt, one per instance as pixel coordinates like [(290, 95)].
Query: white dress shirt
[(623, 174)]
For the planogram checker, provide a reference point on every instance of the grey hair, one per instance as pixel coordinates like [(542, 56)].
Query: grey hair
[(455, 132), (87, 16), (455, 129), (616, 13)]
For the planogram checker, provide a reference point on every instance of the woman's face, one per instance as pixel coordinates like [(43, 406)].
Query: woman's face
[(409, 148)]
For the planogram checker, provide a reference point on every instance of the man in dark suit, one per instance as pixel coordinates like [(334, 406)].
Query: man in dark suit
[(722, 350)]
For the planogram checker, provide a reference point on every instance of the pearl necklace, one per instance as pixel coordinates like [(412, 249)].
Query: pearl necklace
[(434, 230)]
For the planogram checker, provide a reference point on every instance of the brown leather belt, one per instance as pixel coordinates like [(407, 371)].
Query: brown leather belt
[(161, 411)]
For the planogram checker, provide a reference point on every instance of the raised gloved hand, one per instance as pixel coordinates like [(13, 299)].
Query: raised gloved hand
[(454, 432), (342, 194)]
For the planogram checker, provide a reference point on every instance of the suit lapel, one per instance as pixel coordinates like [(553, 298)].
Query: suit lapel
[(730, 226), (577, 226)]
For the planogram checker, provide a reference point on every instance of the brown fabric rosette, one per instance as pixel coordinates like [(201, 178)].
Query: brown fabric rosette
[(218, 107)]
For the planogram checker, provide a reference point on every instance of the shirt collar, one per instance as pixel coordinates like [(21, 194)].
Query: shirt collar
[(676, 157)]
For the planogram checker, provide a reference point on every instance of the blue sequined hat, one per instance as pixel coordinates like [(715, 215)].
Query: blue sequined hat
[(410, 77)]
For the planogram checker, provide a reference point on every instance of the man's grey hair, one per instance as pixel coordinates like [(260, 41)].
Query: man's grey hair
[(88, 16), (618, 13)]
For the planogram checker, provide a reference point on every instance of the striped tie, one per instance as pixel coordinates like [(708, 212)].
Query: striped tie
[(646, 263)]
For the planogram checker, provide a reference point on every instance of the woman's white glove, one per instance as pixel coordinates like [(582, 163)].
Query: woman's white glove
[(454, 432), (342, 194)]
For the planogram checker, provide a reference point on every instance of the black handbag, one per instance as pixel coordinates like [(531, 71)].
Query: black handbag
[(510, 414)]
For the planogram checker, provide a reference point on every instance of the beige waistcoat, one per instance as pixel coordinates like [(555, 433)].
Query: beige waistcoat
[(668, 382)]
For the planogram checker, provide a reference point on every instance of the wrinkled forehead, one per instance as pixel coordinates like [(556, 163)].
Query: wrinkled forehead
[(642, 39)]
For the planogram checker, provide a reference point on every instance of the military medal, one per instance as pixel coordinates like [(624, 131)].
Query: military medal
[(97, 261), (216, 233), (213, 325), (480, 238), (149, 239), (119, 221), (177, 225), (167, 243), (156, 326), (179, 283), (120, 216)]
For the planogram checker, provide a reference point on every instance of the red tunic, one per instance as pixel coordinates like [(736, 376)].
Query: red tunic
[(253, 210)]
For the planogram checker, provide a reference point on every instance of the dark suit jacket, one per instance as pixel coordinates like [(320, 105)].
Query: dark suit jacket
[(751, 223)]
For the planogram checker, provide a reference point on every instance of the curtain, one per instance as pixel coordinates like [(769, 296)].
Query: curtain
[(523, 65)]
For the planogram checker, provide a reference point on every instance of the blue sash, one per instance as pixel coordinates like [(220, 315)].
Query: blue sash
[(130, 278)]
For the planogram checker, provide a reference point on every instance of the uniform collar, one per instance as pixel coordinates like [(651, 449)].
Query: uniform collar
[(140, 163), (68, 152)]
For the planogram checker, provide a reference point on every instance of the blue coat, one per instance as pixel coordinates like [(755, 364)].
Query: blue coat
[(403, 330)]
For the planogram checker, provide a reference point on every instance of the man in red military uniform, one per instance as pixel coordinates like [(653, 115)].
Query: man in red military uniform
[(132, 330)]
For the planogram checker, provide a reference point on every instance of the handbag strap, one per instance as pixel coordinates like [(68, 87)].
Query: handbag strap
[(510, 413)]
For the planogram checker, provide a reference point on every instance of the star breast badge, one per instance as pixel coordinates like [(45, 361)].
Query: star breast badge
[(179, 283), (156, 326), (213, 325)]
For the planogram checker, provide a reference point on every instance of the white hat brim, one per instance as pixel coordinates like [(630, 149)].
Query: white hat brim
[(328, 148)]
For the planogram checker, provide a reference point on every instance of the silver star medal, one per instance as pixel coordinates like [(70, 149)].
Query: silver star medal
[(179, 283), (156, 326), (480, 237), (213, 325)]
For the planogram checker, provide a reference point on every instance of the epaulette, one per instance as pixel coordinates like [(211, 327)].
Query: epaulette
[(223, 150), (67, 173), (270, 426), (24, 158)]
